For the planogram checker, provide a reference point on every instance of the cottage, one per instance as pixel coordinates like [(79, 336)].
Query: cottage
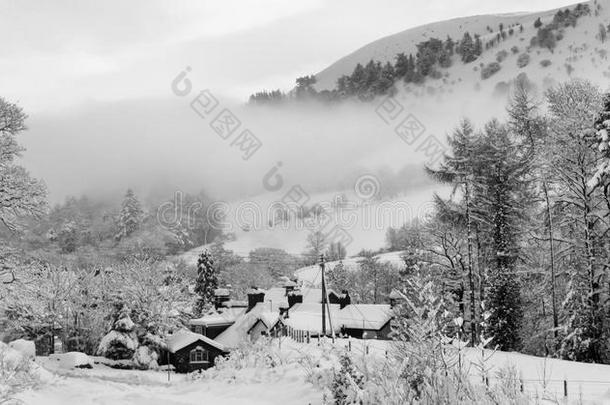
[(365, 321), (307, 318), (267, 324), (212, 325), (190, 351), (244, 326)]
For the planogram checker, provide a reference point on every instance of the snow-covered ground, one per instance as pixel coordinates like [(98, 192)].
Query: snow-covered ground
[(105, 385), (543, 379)]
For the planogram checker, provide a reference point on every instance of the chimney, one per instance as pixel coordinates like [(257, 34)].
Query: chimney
[(255, 296), (395, 298), (294, 297), (288, 284), (221, 295), (345, 299)]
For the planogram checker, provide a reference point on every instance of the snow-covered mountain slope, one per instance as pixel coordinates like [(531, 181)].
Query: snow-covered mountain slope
[(385, 49), (311, 275), (363, 223), (438, 104)]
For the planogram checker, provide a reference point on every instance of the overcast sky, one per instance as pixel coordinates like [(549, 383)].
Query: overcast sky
[(63, 52), (94, 76)]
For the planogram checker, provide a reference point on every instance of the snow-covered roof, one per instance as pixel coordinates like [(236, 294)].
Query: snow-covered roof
[(286, 282), (238, 332), (308, 317), (225, 317), (221, 292), (269, 318), (395, 295), (364, 316), (277, 295), (234, 304), (183, 337)]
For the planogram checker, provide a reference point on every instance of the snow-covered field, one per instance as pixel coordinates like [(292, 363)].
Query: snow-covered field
[(105, 385), (285, 383)]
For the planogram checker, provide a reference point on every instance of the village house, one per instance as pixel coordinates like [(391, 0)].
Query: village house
[(366, 321), (189, 351), (284, 310)]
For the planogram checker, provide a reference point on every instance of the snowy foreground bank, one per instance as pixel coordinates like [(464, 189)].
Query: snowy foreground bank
[(288, 377)]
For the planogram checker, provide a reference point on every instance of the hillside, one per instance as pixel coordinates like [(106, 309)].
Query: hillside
[(385, 49), (459, 91)]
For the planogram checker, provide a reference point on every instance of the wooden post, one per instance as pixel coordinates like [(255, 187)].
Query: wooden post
[(168, 374), (521, 385), (565, 388), (323, 295), (308, 337), (349, 345)]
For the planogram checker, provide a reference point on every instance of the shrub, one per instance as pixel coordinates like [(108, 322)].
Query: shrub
[(523, 60), (545, 63), (489, 70), (515, 49), (500, 56), (16, 374)]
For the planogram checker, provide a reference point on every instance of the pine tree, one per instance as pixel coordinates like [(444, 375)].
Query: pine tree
[(130, 217), (346, 380), (401, 66), (466, 48), (526, 124), (357, 80), (459, 170), (411, 75), (386, 79), (207, 282), (450, 45), (478, 46), (121, 342), (503, 192)]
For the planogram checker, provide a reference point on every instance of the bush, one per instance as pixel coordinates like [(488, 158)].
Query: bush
[(515, 49), (545, 63), (489, 70), (500, 56), (523, 60), (16, 374)]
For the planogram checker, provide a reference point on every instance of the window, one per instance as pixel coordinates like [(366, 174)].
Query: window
[(198, 355), (198, 329)]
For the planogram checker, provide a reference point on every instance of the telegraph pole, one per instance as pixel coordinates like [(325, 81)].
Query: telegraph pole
[(323, 296)]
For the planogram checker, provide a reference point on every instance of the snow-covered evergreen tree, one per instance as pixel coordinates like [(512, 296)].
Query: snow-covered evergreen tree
[(207, 282), (130, 217), (504, 196), (346, 382), (460, 169), (121, 342)]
